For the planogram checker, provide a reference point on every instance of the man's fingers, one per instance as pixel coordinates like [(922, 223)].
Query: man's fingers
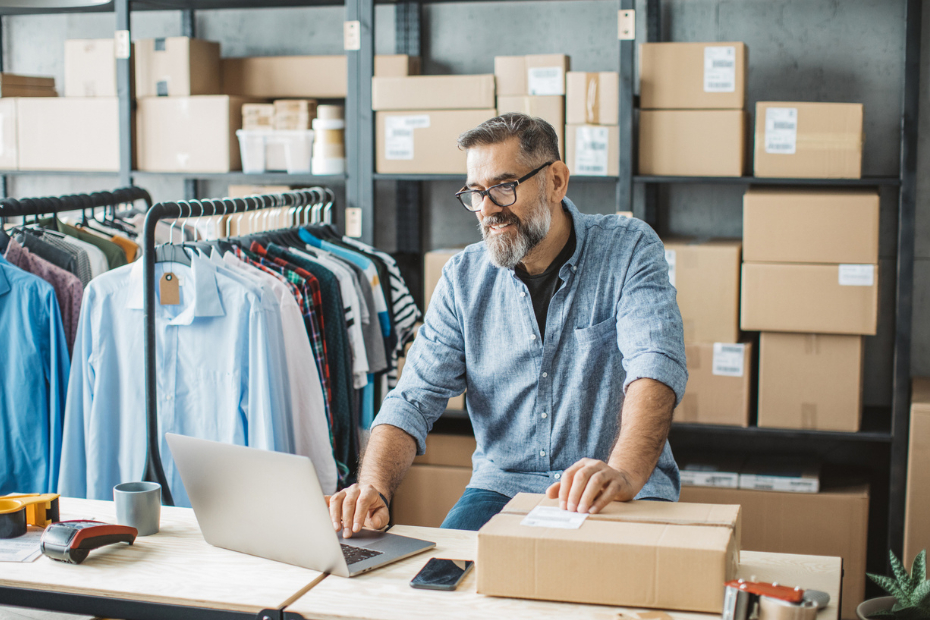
[(368, 501), (579, 484), (593, 489), (608, 495), (553, 491), (566, 486), (335, 509), (378, 516), (348, 510)]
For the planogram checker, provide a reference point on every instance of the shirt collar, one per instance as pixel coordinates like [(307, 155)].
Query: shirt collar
[(581, 231), (14, 253), (207, 301), (4, 283)]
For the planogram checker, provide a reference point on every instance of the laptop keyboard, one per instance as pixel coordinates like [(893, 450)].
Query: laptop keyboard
[(357, 554)]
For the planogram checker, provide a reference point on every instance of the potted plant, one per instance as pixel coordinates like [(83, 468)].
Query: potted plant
[(910, 593)]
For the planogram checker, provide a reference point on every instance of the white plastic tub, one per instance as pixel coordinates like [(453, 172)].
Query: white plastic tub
[(261, 150)]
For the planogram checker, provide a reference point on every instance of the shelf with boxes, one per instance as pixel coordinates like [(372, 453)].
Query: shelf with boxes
[(748, 180)]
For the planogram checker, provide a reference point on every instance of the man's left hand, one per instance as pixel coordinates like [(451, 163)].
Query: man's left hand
[(589, 485)]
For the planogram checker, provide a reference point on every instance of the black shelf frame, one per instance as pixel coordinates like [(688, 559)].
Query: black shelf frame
[(863, 182)]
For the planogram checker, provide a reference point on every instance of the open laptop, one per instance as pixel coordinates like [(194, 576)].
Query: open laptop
[(270, 504)]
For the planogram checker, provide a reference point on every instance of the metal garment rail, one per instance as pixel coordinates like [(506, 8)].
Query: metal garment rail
[(51, 205)]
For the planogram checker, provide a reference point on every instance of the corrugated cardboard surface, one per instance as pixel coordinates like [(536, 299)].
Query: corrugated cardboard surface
[(810, 381), (433, 262), (833, 523), (810, 226), (592, 98), (286, 76), (510, 72), (9, 156), (707, 281), (613, 149), (671, 76), (427, 494), (785, 297), (396, 65), (551, 109), (185, 67), (435, 150), (90, 68), (432, 92), (448, 450), (692, 142), (712, 398), (917, 507), (63, 133), (829, 142)]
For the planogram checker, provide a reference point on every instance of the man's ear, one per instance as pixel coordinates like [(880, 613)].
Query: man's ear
[(558, 181)]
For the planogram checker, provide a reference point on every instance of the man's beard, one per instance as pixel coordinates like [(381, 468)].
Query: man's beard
[(508, 249)]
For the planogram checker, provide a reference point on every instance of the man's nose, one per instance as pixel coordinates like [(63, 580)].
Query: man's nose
[(488, 207)]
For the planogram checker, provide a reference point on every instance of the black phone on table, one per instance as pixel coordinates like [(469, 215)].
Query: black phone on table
[(440, 574)]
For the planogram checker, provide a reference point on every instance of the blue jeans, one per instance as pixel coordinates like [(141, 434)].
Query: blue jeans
[(474, 509)]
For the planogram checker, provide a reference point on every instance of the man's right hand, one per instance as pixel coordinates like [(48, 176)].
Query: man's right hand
[(356, 507)]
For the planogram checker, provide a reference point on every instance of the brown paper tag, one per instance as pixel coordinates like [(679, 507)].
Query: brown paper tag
[(169, 290)]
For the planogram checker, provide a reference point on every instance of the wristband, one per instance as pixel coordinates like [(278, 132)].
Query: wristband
[(387, 504)]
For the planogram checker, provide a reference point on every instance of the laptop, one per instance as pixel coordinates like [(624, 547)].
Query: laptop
[(270, 504)]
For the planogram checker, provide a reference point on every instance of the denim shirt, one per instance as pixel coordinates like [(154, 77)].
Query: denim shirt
[(538, 408)]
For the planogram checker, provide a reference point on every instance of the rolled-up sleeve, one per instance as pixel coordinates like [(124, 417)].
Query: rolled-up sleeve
[(649, 328)]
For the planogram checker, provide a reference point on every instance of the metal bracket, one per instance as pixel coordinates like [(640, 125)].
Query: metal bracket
[(123, 49), (352, 36), (626, 25)]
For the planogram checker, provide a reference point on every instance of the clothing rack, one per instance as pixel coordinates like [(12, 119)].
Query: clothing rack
[(299, 199), (22, 207)]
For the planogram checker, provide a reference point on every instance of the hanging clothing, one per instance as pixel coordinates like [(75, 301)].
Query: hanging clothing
[(52, 247), (114, 254)]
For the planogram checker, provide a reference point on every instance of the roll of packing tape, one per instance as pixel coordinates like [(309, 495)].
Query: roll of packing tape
[(322, 150), (776, 609), (329, 166), (320, 124), (330, 112), (12, 518)]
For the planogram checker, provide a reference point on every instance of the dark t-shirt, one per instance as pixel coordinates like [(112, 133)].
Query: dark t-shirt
[(544, 285)]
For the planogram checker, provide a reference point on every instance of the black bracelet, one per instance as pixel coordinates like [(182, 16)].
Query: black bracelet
[(387, 504)]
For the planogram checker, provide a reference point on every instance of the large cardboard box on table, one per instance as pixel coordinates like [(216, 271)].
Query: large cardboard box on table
[(818, 299), (432, 92), (592, 150), (535, 74), (916, 524), (833, 522), (9, 156), (550, 109), (708, 143), (634, 554), (424, 141), (719, 384), (177, 67), (705, 272), (189, 134), (63, 133), (90, 68), (808, 140), (592, 98), (810, 226), (693, 75)]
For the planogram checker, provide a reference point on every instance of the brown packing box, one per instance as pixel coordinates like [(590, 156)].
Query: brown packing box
[(818, 299), (693, 75), (708, 143), (177, 67), (432, 92), (433, 262), (90, 68), (241, 191), (324, 77), (917, 506), (550, 109), (536, 74), (808, 140), (455, 403), (9, 158), (257, 116), (634, 554), (810, 381), (427, 493), (189, 134), (448, 450), (706, 275), (592, 98), (810, 226), (424, 141), (62, 133), (592, 150), (14, 85), (719, 378), (833, 522), (396, 65)]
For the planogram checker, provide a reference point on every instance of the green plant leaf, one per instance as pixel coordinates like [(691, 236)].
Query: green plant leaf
[(900, 573), (890, 586), (919, 569), (921, 594), (882, 613)]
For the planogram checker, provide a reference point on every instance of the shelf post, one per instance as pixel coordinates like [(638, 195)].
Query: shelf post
[(123, 73), (360, 150), (625, 120), (408, 193)]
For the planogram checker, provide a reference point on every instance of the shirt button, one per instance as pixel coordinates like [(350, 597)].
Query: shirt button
[(557, 476), (522, 294), (532, 336), (545, 415), (574, 268), (542, 453), (545, 374)]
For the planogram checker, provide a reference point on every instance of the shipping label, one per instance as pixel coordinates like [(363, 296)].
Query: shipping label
[(591, 145), (670, 258), (857, 275), (720, 69), (398, 135), (781, 130), (552, 516), (544, 81), (728, 359)]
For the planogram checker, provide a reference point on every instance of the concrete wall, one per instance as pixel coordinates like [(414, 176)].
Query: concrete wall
[(815, 50)]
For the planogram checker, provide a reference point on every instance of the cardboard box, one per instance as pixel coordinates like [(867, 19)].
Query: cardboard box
[(189, 134), (396, 65), (536, 74), (13, 85), (9, 156), (448, 450), (817, 299), (810, 226), (719, 384), (432, 92), (323, 77), (808, 140), (633, 554), (424, 141), (61, 133), (296, 114), (833, 522), (241, 191), (550, 109), (177, 67), (592, 98), (917, 506), (257, 116), (90, 68), (708, 143), (780, 473), (693, 76), (433, 262), (705, 272), (810, 381), (704, 470), (428, 493), (456, 403), (592, 150)]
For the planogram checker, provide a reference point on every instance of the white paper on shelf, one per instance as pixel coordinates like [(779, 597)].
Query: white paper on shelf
[(591, 145), (857, 275), (781, 130), (398, 135), (720, 69)]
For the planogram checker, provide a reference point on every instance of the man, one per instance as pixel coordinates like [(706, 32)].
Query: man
[(565, 331)]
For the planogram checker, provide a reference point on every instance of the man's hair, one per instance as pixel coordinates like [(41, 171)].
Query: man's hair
[(538, 140)]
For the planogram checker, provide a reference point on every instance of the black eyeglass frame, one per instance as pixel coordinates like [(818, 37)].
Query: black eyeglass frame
[(486, 192)]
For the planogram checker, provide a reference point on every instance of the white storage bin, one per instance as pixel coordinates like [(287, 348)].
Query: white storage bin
[(252, 149), (264, 150), (298, 146)]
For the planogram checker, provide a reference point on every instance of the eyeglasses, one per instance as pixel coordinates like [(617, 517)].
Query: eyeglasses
[(503, 194)]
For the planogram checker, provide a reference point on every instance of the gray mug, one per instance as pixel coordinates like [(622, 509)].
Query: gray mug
[(138, 505)]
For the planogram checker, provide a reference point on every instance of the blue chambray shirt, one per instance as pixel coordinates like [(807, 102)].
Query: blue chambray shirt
[(538, 408)]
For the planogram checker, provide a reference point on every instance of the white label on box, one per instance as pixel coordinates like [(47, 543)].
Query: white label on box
[(698, 478), (720, 69), (591, 151), (353, 222), (551, 516), (728, 359), (762, 482), (781, 130), (398, 135), (122, 48), (857, 275), (670, 258), (545, 81)]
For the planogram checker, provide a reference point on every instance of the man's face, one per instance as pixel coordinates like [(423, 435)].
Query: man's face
[(509, 233)]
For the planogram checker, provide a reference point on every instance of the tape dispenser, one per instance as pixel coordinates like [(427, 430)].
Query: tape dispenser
[(20, 509), (755, 600)]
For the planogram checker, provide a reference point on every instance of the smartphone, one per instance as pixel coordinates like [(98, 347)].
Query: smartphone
[(441, 574)]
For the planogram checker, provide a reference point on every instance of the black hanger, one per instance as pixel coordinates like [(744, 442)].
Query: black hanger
[(171, 253)]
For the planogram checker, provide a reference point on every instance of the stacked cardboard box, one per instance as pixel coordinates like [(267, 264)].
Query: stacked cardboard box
[(810, 285), (916, 524), (693, 99), (592, 135), (435, 482)]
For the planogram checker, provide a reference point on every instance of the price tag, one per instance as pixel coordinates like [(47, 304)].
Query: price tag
[(857, 275), (728, 359), (169, 290), (720, 69), (781, 130), (353, 222)]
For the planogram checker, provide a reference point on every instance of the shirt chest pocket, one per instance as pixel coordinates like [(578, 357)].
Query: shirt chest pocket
[(602, 332)]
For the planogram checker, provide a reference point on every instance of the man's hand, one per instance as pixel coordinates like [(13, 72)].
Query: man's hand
[(589, 485), (358, 506)]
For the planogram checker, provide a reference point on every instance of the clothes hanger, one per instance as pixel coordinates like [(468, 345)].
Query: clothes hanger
[(169, 252)]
